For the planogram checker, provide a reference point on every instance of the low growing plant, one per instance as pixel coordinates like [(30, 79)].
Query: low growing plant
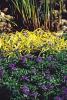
[(28, 42)]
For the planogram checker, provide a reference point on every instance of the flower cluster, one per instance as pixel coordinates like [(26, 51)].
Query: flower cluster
[(12, 66)]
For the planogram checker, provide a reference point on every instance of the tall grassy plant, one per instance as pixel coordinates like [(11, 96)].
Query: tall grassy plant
[(46, 12), (28, 11), (34, 13)]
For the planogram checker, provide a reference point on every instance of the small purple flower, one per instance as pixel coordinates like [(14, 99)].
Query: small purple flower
[(49, 86), (65, 78), (29, 56), (64, 91), (1, 72), (25, 78), (34, 94), (23, 59), (25, 90), (49, 58), (39, 59), (43, 87), (58, 98), (12, 66)]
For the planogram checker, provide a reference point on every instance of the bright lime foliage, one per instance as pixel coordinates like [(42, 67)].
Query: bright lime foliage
[(27, 41)]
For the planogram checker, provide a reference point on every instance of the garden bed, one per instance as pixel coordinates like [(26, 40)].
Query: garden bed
[(33, 50), (33, 66)]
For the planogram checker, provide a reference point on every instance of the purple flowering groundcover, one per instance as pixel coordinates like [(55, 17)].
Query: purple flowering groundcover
[(32, 77)]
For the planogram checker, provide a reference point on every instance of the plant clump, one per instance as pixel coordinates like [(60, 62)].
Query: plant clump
[(27, 42)]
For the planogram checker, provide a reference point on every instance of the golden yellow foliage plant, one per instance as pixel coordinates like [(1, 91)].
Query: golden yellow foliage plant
[(27, 41)]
